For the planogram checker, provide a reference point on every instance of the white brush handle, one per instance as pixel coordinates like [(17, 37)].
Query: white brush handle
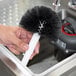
[(32, 45)]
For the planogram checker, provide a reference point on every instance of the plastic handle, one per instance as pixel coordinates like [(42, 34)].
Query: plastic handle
[(32, 45)]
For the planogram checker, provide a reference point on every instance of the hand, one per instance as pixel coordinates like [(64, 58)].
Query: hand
[(16, 39), (8, 38), (26, 36)]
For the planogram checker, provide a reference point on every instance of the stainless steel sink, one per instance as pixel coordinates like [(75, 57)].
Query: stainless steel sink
[(64, 13), (6, 15)]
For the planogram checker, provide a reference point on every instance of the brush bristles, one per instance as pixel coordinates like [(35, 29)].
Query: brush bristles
[(32, 18)]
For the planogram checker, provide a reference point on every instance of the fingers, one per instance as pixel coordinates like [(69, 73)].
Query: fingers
[(21, 41), (19, 44), (13, 50), (22, 38), (36, 51), (21, 33)]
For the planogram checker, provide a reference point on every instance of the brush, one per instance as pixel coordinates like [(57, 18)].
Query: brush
[(41, 21)]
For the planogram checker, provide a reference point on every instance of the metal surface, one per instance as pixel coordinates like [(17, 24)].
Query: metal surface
[(10, 12), (12, 62), (62, 67), (72, 4), (15, 65), (56, 5)]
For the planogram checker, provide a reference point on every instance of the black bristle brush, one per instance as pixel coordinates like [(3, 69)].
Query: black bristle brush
[(42, 21)]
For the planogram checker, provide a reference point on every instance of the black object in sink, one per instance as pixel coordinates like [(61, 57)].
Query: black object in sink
[(66, 44)]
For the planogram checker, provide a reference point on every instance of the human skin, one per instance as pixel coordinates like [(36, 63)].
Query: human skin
[(16, 39)]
